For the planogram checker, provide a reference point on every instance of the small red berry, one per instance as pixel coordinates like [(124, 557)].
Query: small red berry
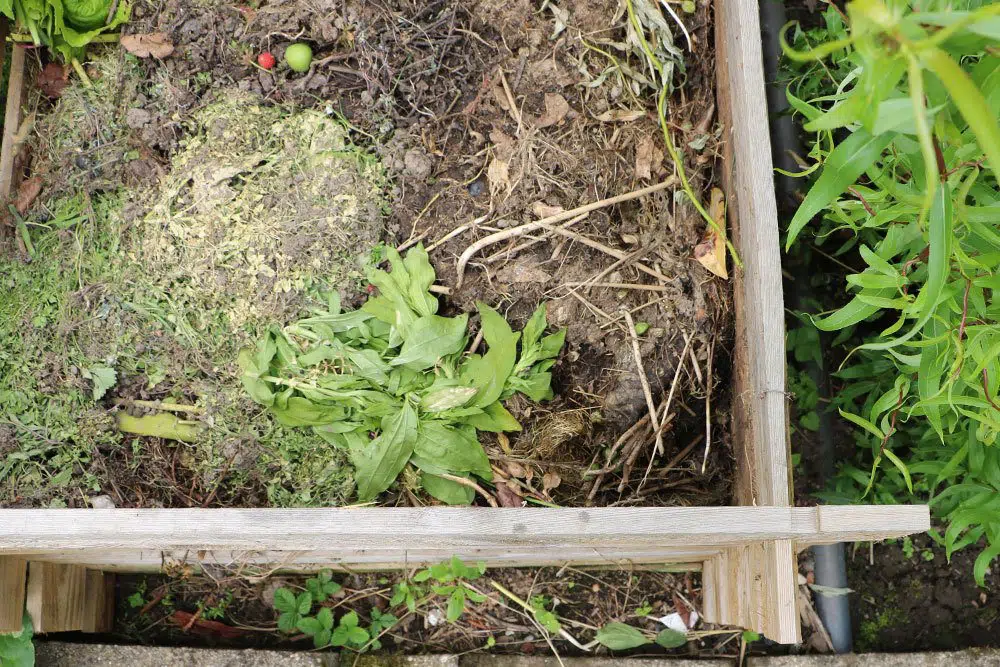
[(266, 60)]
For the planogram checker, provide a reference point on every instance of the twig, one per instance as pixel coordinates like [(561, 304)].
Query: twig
[(162, 405), (470, 484), (589, 305), (596, 245), (708, 406), (521, 230), (461, 229), (635, 286), (644, 381), (527, 244), (677, 18), (562, 633)]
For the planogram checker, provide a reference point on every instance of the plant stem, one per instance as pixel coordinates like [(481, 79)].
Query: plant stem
[(81, 73)]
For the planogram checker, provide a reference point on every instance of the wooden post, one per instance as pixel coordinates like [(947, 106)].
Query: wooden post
[(55, 596), (98, 602), (13, 572), (11, 121)]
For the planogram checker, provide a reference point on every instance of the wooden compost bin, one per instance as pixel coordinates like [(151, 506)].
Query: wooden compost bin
[(56, 561)]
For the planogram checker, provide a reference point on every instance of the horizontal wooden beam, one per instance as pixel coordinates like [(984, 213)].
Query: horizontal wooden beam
[(375, 559), (349, 532)]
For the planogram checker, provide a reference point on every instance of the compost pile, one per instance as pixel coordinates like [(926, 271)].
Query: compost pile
[(199, 198)]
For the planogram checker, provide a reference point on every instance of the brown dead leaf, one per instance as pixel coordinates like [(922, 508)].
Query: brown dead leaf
[(711, 252), (556, 108), (551, 480), (644, 158), (498, 174), (621, 115), (543, 210), (27, 192), (154, 44), (200, 626), (52, 80), (514, 469), (508, 497), (682, 610)]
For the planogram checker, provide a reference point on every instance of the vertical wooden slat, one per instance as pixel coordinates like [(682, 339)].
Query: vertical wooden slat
[(762, 457), (12, 118), (98, 602), (13, 572), (55, 596)]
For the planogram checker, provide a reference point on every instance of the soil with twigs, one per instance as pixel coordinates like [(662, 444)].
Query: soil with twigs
[(233, 608)]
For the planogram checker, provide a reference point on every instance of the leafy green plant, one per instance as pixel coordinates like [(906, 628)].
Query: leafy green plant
[(390, 384), (296, 615), (451, 577), (544, 616), (906, 153), (66, 26), (622, 637), (17, 648)]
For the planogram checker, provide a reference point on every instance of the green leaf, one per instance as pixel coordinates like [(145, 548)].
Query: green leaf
[(322, 638), (535, 327), (288, 621), (357, 636), (495, 418), (621, 637), (349, 620), (941, 225), (856, 310), (452, 449), (842, 168), (489, 373), (810, 421), (446, 490), (749, 636), (284, 600), (303, 603), (104, 378), (670, 638), (383, 458), (422, 276), (983, 562), (309, 625), (429, 338), (862, 422), (970, 102), (456, 604), (325, 618), (889, 454), (447, 398)]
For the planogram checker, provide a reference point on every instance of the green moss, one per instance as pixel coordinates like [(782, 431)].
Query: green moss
[(888, 617)]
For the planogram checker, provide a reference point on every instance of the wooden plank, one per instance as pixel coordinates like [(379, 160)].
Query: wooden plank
[(98, 602), (12, 118), (759, 422), (55, 596), (613, 531), (13, 574), (152, 561)]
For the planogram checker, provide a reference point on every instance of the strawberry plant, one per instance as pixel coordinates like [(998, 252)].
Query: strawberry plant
[(902, 104), (391, 384)]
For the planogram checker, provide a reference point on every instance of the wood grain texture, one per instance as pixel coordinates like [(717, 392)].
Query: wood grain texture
[(98, 602), (12, 119), (759, 419), (55, 596), (13, 575), (611, 530), (252, 562)]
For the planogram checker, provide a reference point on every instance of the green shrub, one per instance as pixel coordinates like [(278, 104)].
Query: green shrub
[(903, 105)]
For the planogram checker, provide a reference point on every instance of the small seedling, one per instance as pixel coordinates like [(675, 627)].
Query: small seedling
[(451, 577)]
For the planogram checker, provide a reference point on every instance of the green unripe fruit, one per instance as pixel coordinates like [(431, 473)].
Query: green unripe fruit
[(299, 57)]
